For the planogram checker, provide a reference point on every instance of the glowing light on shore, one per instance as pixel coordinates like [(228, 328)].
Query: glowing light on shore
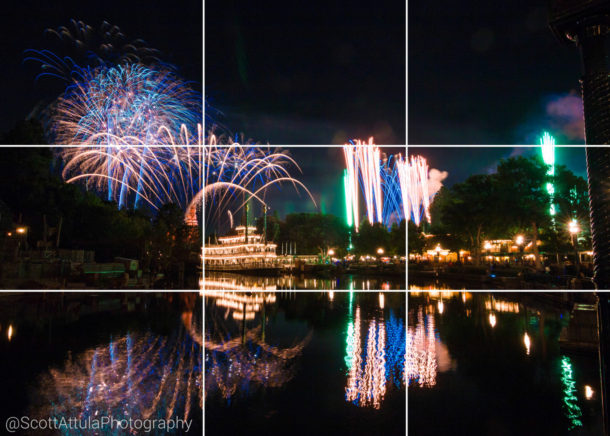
[(589, 392)]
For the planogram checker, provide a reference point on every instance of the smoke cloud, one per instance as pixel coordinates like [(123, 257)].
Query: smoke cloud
[(435, 181), (566, 114)]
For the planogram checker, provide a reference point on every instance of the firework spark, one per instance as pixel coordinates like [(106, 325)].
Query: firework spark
[(246, 172), (380, 180), (364, 159), (126, 105), (81, 45), (394, 189), (133, 175), (422, 184)]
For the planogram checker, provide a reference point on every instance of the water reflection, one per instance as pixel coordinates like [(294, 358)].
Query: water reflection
[(311, 363), (239, 356), (529, 356), (377, 362), (570, 400), (426, 355), (139, 374), (242, 306), (241, 282), (245, 361), (435, 285)]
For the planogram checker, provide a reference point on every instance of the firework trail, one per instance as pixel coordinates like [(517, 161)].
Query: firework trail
[(236, 174), (132, 175), (418, 200), (236, 139), (380, 180), (127, 105), (422, 185), (394, 203), (364, 159), (82, 45), (401, 168)]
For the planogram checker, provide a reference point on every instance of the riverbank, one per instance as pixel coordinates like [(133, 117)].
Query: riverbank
[(464, 277)]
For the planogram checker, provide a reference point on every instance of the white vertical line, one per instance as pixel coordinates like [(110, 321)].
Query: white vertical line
[(406, 72), (203, 211), (406, 363), (406, 218)]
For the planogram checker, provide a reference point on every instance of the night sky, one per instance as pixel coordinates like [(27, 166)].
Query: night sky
[(322, 173), (314, 72), (462, 162), (172, 27), (490, 72)]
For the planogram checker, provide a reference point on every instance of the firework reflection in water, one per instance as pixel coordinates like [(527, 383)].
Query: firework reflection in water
[(377, 362), (142, 376), (240, 363)]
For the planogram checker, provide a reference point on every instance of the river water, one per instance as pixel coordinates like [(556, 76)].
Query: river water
[(493, 364), (318, 363), (349, 282), (84, 357)]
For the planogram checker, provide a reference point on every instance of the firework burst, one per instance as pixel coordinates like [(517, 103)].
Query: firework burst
[(422, 184), (81, 45), (132, 175), (236, 174), (380, 180), (126, 105), (393, 185)]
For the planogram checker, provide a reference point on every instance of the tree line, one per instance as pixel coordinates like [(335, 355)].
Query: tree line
[(316, 233), (512, 201), (32, 191)]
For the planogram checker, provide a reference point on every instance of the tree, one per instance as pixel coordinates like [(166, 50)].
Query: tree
[(397, 244), (522, 198), (466, 211), (315, 233), (370, 238), (25, 132), (416, 238)]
